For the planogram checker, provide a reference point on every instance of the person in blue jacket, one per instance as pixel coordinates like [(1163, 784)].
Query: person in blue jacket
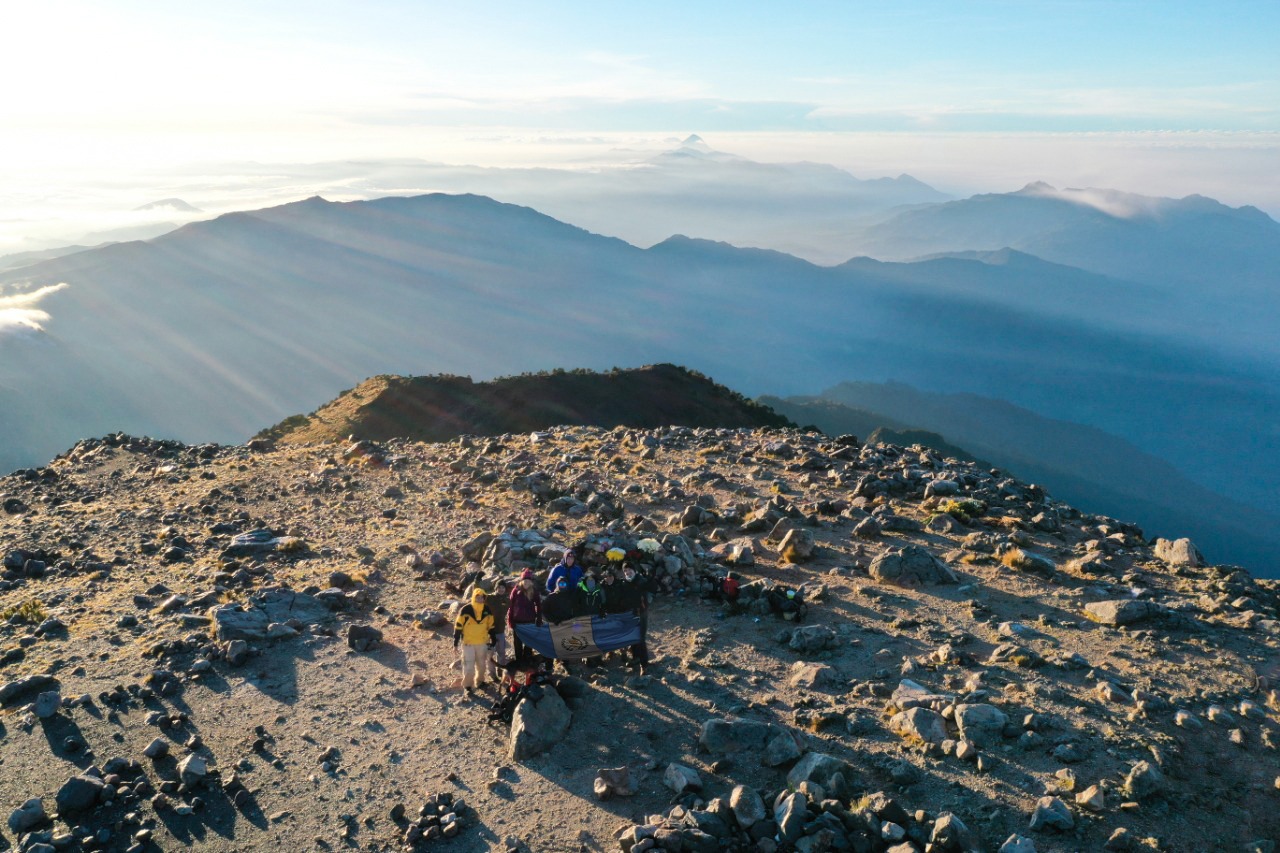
[(568, 569)]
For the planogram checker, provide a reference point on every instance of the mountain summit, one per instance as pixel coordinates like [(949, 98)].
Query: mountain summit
[(214, 646), (440, 408)]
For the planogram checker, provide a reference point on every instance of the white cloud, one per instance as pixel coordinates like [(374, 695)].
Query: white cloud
[(18, 312)]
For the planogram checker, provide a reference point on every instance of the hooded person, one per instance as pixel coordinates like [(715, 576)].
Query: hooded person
[(475, 630), (524, 608), (568, 568)]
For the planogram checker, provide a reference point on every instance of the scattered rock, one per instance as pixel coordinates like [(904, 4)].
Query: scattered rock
[(1178, 552), (613, 782), (1121, 612), (681, 778), (192, 770), (797, 546), (363, 638), (911, 566), (812, 638), (78, 794), (1052, 813), (747, 806), (28, 816), (234, 622), (1144, 781), (21, 687), (982, 725), (919, 724), (47, 704), (835, 776)]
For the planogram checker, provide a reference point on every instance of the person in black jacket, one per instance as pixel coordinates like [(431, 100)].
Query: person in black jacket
[(591, 597), (561, 604), (632, 593)]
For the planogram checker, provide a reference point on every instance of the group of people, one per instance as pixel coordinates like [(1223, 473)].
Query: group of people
[(571, 591)]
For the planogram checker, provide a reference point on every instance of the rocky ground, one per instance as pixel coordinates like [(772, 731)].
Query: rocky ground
[(981, 667)]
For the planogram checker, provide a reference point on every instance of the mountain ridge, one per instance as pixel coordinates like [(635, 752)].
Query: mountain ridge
[(440, 408)]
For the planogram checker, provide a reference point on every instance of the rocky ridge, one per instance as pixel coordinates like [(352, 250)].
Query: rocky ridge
[(243, 647)]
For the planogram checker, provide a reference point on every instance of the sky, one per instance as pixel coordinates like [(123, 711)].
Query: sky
[(1171, 97)]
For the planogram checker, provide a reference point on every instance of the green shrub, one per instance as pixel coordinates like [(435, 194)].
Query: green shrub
[(31, 612)]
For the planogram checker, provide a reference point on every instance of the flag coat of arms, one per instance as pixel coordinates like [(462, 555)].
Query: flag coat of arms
[(585, 637)]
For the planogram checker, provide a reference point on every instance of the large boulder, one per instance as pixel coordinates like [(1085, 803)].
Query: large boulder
[(363, 638), (797, 546), (833, 775), (613, 782), (1144, 780), (732, 735), (284, 605), (1052, 813), (27, 816), (981, 725), (783, 747), (812, 638), (681, 778), (911, 566), (192, 770), (536, 726), (747, 806), (813, 676), (1179, 552), (234, 622), (723, 737), (919, 724), (24, 686), (791, 815), (78, 794), (1123, 611)]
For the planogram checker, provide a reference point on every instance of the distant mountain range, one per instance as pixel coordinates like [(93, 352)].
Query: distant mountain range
[(214, 330), (441, 408), (1209, 272)]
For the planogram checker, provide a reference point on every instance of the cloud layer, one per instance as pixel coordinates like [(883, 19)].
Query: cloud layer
[(18, 312)]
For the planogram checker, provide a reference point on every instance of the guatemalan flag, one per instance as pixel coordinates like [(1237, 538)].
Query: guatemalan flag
[(581, 638)]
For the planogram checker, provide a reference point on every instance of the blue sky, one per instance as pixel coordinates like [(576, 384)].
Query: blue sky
[(110, 105), (1064, 66)]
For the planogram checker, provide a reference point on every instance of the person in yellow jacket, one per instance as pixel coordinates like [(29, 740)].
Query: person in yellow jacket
[(476, 631)]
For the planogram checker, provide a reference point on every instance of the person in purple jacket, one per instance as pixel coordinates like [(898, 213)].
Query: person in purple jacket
[(525, 608)]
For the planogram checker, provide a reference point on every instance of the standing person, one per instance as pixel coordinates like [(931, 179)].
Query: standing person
[(558, 606), (476, 631), (524, 607), (498, 602), (591, 597), (568, 569), (633, 592)]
